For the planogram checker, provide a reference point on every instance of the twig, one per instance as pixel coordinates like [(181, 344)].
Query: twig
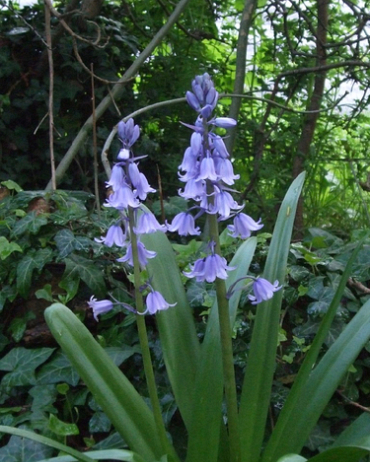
[(51, 94), (95, 148), (358, 285), (353, 403), (116, 91)]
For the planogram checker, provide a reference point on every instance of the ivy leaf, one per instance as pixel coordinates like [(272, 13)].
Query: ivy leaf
[(25, 268), (58, 369), (82, 268), (30, 223), (67, 242), (21, 364), (6, 248), (99, 422), (119, 354), (24, 450), (62, 428)]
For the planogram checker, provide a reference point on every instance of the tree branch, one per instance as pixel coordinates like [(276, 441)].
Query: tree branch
[(116, 92)]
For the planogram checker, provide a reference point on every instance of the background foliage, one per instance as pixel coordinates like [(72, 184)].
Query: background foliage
[(47, 247)]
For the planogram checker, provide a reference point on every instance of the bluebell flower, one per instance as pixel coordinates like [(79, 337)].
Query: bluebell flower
[(243, 226), (122, 199), (99, 307), (139, 182), (147, 223), (223, 122), (128, 132), (263, 290), (155, 302), (209, 268), (223, 204), (117, 177), (143, 255), (115, 236), (225, 171), (184, 224), (207, 169), (194, 189)]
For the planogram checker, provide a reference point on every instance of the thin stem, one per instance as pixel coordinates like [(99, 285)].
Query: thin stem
[(95, 142), (51, 96), (227, 351), (144, 344)]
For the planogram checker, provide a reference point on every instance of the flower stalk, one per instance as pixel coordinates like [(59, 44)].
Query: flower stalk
[(144, 344), (227, 352)]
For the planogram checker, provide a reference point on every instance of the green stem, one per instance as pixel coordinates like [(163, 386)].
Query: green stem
[(227, 351), (144, 344)]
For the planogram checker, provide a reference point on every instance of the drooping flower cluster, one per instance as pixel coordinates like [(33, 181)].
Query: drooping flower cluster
[(129, 187), (208, 174)]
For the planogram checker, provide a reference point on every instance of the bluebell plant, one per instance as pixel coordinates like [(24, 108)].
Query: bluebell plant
[(202, 375), (208, 174)]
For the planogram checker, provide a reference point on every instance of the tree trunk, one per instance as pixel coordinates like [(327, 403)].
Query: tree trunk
[(241, 54), (314, 104)]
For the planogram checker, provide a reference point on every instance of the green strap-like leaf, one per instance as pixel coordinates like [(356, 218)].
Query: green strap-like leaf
[(284, 421), (341, 454), (207, 390), (255, 398), (322, 383), (104, 454), (179, 341), (47, 441), (117, 397)]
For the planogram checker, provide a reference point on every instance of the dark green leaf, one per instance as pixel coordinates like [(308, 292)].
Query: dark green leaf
[(67, 242), (81, 268), (24, 450), (58, 369), (62, 428), (25, 268), (30, 223), (99, 422), (6, 248), (21, 364)]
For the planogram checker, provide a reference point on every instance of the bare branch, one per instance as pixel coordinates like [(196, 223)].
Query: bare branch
[(116, 92)]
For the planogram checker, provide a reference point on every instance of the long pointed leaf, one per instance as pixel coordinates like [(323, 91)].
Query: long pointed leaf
[(103, 454), (322, 383), (255, 398), (118, 398), (208, 388), (305, 370), (47, 441), (179, 341)]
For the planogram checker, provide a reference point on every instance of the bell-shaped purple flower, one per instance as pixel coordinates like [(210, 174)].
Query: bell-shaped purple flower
[(139, 182), (143, 255), (219, 146), (194, 189), (225, 171), (115, 236), (122, 199), (99, 307), (189, 163), (184, 224), (223, 122), (223, 204), (209, 268), (128, 132), (263, 290), (147, 223), (243, 226), (192, 100), (117, 177), (207, 169), (155, 302)]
